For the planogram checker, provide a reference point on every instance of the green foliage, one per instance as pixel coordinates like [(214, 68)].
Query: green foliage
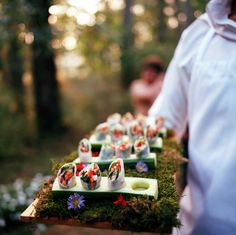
[(168, 210), (97, 211), (140, 214), (137, 215), (15, 128), (84, 101), (57, 165), (13, 14)]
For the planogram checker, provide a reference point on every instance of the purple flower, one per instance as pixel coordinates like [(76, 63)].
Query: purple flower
[(75, 201), (141, 167)]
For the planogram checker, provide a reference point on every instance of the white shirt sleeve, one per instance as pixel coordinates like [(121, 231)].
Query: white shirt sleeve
[(172, 103)]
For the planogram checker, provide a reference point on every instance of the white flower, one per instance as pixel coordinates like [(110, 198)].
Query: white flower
[(2, 222)]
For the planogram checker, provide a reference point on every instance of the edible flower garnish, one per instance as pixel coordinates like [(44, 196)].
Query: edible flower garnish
[(75, 201), (120, 201), (79, 168), (141, 167)]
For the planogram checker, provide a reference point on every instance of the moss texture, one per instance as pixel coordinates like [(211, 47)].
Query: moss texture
[(140, 213)]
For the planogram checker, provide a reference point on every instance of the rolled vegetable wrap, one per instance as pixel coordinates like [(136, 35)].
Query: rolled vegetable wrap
[(116, 174), (152, 134), (123, 149), (90, 177), (114, 119), (85, 151), (141, 147), (135, 131), (66, 176), (117, 132), (107, 151), (101, 131)]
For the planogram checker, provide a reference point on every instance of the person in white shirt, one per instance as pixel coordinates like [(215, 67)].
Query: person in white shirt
[(200, 89)]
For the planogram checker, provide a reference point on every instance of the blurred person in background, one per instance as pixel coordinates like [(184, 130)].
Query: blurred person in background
[(200, 89), (144, 90)]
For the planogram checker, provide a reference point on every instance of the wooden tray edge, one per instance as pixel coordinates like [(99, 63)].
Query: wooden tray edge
[(29, 216)]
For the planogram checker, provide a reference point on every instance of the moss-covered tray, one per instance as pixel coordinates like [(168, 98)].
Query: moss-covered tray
[(133, 213), (29, 215)]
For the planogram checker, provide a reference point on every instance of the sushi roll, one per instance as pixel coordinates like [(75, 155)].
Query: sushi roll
[(141, 147), (107, 151), (126, 120), (116, 174), (90, 177), (142, 120), (123, 149), (101, 131), (66, 176), (152, 134), (113, 119), (117, 132), (135, 131), (85, 151)]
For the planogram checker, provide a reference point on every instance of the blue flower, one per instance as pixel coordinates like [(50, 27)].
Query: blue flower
[(75, 201), (141, 167)]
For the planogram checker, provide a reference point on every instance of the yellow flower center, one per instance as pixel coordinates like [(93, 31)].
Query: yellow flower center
[(75, 202), (140, 168)]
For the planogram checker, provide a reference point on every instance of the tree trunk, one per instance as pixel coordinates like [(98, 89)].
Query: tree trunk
[(127, 63), (47, 105), (11, 50), (161, 30), (15, 73)]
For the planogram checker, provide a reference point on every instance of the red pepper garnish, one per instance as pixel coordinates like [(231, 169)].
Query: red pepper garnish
[(91, 173), (120, 201), (139, 144), (79, 168), (95, 154), (137, 130), (104, 129), (68, 175), (123, 146), (118, 133), (150, 134)]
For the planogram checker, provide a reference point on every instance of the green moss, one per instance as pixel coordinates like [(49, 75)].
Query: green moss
[(168, 211), (69, 158), (137, 215), (140, 214)]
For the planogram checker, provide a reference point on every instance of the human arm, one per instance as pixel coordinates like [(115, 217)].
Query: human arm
[(172, 103), (170, 107)]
